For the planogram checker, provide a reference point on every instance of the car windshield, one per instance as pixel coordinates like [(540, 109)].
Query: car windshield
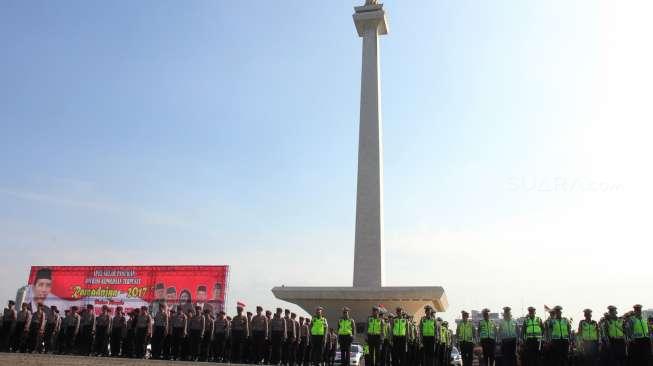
[(354, 349)]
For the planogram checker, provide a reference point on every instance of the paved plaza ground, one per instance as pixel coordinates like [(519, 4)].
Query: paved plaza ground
[(14, 359)]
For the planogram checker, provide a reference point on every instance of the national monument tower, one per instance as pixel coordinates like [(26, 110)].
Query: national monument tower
[(368, 288)]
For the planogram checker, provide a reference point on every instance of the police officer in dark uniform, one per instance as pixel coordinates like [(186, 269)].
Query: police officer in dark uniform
[(374, 336), (278, 334), (8, 323), (160, 331), (86, 330), (118, 328), (36, 330), (179, 326), (346, 334), (102, 331), (239, 334)]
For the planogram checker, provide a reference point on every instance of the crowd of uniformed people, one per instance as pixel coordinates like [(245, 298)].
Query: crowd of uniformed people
[(282, 338)]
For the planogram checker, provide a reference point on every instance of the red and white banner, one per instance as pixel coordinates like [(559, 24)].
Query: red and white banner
[(128, 286)]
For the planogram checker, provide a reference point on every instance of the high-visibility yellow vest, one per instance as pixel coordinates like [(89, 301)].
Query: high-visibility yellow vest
[(616, 328), (560, 329), (318, 325), (428, 327), (589, 331), (374, 326), (399, 327), (640, 328), (486, 329), (345, 327), (465, 332), (508, 329), (444, 335), (533, 328)]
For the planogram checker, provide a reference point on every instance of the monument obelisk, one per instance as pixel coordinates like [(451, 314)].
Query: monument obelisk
[(368, 286)]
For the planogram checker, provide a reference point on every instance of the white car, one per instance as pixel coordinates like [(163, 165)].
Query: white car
[(356, 357), (456, 358)]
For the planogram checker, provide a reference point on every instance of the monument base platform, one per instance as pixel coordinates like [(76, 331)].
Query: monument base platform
[(361, 299)]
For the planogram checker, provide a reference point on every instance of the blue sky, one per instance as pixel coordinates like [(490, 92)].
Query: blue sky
[(225, 132)]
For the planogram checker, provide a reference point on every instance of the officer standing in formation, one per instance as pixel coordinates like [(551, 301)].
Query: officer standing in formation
[(466, 336), (428, 331), (399, 326), (319, 327), (390, 339), (508, 338), (588, 339), (375, 335), (346, 334)]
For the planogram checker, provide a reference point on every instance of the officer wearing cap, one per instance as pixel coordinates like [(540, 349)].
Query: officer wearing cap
[(259, 327), (8, 321), (160, 331), (532, 331), (466, 335), (487, 332), (507, 338), (446, 342), (639, 348), (319, 328), (399, 329), (588, 337), (278, 335), (87, 330), (374, 336), (558, 332), (239, 334), (428, 335), (102, 323), (346, 334), (118, 327), (613, 337)]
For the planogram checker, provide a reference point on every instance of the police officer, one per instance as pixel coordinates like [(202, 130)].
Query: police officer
[(487, 333), (239, 334), (304, 341), (331, 345), (291, 337), (51, 319), (558, 332), (160, 331), (259, 327), (36, 330), (639, 347), (428, 330), (196, 325), (220, 333), (399, 326), (532, 332), (445, 340), (466, 335), (588, 337), (86, 330), (319, 327), (179, 324), (23, 320), (278, 335), (8, 322), (143, 332), (375, 333), (508, 338), (118, 328), (346, 334), (614, 337), (102, 331), (207, 335), (71, 325)]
